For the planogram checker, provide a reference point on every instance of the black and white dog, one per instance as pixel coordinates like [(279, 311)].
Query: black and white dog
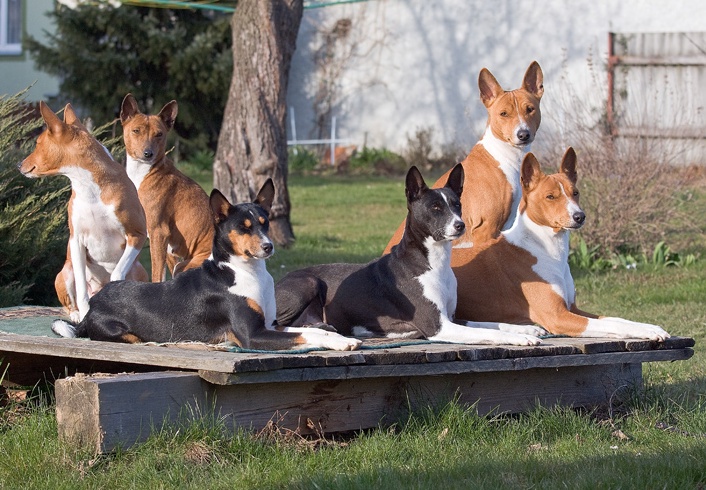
[(409, 293), (230, 298)]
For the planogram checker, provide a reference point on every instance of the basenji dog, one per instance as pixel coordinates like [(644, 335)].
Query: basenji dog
[(493, 165), (523, 276), (230, 298), (179, 221), (107, 225), (409, 293)]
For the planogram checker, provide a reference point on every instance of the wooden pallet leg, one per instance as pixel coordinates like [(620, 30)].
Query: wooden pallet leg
[(104, 412)]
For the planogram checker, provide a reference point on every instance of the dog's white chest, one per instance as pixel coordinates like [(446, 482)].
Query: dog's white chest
[(95, 224), (509, 161), (136, 170), (551, 251), (252, 281), (439, 283)]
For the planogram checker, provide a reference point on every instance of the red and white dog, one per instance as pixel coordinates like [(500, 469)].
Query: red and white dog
[(523, 276), (492, 167), (107, 226)]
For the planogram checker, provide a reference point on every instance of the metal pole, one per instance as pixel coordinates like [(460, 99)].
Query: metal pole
[(333, 141)]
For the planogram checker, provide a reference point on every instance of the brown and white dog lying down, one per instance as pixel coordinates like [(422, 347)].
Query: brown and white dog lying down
[(523, 276)]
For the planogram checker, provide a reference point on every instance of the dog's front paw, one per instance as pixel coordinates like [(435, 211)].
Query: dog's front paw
[(657, 333), (335, 341), (532, 330), (322, 326), (522, 339)]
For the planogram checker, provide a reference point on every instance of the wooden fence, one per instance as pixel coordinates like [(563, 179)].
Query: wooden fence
[(657, 90)]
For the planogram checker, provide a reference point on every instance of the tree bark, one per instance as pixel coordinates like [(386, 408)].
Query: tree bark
[(252, 145)]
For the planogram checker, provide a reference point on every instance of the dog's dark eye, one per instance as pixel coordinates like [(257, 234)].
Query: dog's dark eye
[(159, 134), (530, 109), (550, 197), (503, 114), (436, 206), (136, 131), (576, 193)]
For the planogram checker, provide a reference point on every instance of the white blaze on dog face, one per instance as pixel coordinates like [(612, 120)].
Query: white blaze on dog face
[(552, 200), (513, 116)]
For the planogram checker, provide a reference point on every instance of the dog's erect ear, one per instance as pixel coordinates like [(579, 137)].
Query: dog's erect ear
[(168, 114), (266, 195), (489, 87), (128, 109), (54, 124), (531, 172), (455, 181), (71, 118), (534, 80), (568, 165), (414, 184), (219, 205)]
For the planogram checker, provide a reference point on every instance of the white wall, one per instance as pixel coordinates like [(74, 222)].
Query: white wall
[(18, 72), (416, 62)]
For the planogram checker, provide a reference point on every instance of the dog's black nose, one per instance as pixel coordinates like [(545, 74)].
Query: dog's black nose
[(523, 135), (147, 153), (459, 226), (267, 248), (579, 217)]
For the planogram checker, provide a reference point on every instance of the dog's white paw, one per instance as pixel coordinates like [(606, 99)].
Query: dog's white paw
[(75, 316), (63, 329), (329, 340), (339, 342), (533, 330), (654, 332), (522, 339)]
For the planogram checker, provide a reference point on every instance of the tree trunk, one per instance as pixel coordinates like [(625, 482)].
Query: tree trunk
[(252, 145)]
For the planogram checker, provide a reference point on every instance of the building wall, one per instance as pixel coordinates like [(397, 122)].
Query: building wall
[(18, 72), (410, 64)]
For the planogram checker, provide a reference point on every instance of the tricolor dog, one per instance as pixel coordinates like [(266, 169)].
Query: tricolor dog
[(409, 293), (493, 167), (179, 221), (106, 222), (230, 298), (523, 276)]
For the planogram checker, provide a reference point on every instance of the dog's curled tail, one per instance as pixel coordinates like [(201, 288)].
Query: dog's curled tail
[(66, 329)]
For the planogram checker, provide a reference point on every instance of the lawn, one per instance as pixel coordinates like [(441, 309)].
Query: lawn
[(656, 439)]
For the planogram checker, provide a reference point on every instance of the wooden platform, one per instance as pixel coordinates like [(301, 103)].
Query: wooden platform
[(110, 395)]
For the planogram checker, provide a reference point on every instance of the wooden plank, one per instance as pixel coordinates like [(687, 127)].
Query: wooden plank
[(34, 358), (103, 413), (443, 368)]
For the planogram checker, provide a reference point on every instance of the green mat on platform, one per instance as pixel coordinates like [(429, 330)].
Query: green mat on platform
[(29, 320)]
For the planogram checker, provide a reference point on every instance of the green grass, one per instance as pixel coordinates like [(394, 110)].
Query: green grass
[(343, 219)]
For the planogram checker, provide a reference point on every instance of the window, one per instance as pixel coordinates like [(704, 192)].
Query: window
[(10, 27)]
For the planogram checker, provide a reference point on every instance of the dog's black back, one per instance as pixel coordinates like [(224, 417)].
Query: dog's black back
[(214, 303), (386, 297)]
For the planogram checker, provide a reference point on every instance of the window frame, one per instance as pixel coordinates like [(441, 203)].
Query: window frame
[(8, 48)]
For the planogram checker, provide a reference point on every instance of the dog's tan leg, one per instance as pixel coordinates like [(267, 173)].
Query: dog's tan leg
[(187, 264), (66, 290), (158, 254)]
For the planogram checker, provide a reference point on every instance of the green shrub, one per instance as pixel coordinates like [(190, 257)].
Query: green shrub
[(33, 225), (302, 160), (374, 161)]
